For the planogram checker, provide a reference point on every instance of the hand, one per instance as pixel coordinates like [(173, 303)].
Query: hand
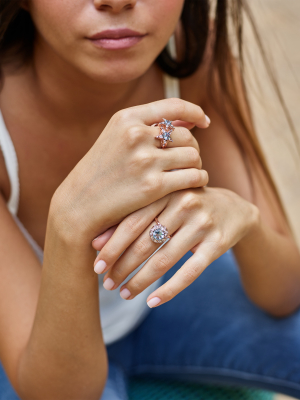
[(126, 169), (207, 221)]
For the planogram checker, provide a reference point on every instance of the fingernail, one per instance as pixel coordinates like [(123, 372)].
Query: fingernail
[(95, 238), (153, 302), (108, 284), (125, 293), (100, 267), (207, 119)]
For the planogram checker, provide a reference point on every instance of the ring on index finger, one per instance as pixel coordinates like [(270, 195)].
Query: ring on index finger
[(166, 128)]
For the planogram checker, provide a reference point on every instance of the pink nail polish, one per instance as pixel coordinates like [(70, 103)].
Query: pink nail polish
[(153, 302), (100, 267), (125, 293), (108, 284)]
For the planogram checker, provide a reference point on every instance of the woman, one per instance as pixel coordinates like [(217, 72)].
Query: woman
[(81, 98)]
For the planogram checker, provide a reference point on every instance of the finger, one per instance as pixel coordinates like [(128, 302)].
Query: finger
[(186, 275), (126, 233), (161, 262), (185, 124), (172, 109), (183, 179), (184, 157), (140, 250), (181, 137), (102, 239)]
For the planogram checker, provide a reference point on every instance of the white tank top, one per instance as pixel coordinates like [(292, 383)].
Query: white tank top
[(118, 316)]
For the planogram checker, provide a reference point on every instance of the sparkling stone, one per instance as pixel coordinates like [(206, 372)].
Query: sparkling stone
[(167, 123), (166, 135), (159, 234)]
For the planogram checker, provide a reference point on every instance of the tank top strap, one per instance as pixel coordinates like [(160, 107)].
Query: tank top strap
[(171, 84), (11, 162)]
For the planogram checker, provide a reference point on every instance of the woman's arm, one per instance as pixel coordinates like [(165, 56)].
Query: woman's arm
[(268, 256), (50, 335), (64, 356)]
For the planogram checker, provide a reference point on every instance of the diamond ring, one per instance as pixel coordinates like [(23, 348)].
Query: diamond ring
[(159, 233), (166, 128)]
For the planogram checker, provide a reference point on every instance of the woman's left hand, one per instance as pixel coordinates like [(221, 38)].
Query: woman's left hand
[(207, 221)]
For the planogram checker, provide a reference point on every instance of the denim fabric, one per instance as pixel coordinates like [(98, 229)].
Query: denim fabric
[(209, 333), (116, 385), (212, 333)]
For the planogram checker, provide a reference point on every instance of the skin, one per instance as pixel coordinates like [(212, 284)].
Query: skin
[(108, 170)]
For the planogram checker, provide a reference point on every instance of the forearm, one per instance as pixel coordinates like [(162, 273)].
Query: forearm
[(65, 357), (270, 269)]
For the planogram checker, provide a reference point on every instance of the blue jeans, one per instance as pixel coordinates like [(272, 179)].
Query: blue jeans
[(209, 333)]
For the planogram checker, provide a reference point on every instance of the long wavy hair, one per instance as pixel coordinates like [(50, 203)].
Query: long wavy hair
[(17, 33)]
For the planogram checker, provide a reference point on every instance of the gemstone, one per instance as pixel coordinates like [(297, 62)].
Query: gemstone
[(166, 135), (168, 123), (158, 233)]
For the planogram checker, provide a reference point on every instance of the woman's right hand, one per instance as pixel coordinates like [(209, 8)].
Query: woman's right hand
[(126, 169)]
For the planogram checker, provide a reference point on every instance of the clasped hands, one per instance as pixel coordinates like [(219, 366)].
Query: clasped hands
[(208, 221)]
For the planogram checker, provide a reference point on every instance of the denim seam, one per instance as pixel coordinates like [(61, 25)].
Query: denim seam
[(210, 371)]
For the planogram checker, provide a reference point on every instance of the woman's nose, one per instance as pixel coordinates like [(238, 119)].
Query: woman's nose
[(114, 6)]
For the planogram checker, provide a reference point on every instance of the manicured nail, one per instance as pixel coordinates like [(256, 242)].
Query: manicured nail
[(153, 302), (100, 267), (108, 284), (125, 293), (207, 119)]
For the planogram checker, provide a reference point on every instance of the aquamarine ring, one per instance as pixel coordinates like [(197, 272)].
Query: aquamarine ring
[(159, 233), (166, 128)]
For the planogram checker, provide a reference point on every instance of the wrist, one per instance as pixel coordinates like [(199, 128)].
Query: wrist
[(252, 226), (67, 225)]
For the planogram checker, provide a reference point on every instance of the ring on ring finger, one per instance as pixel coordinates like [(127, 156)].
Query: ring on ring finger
[(159, 233)]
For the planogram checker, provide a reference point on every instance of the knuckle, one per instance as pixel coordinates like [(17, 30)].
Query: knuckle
[(109, 253), (206, 221), (195, 144), (133, 223), (144, 159), (133, 135), (195, 178), (219, 238), (189, 201), (185, 135), (200, 162), (141, 248), (122, 116), (161, 265), (204, 177), (151, 185), (135, 286), (193, 155), (189, 275), (117, 274)]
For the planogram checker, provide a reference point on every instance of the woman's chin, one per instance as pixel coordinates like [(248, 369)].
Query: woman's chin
[(115, 76)]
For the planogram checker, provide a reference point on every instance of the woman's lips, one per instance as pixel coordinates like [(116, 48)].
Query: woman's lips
[(116, 39)]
